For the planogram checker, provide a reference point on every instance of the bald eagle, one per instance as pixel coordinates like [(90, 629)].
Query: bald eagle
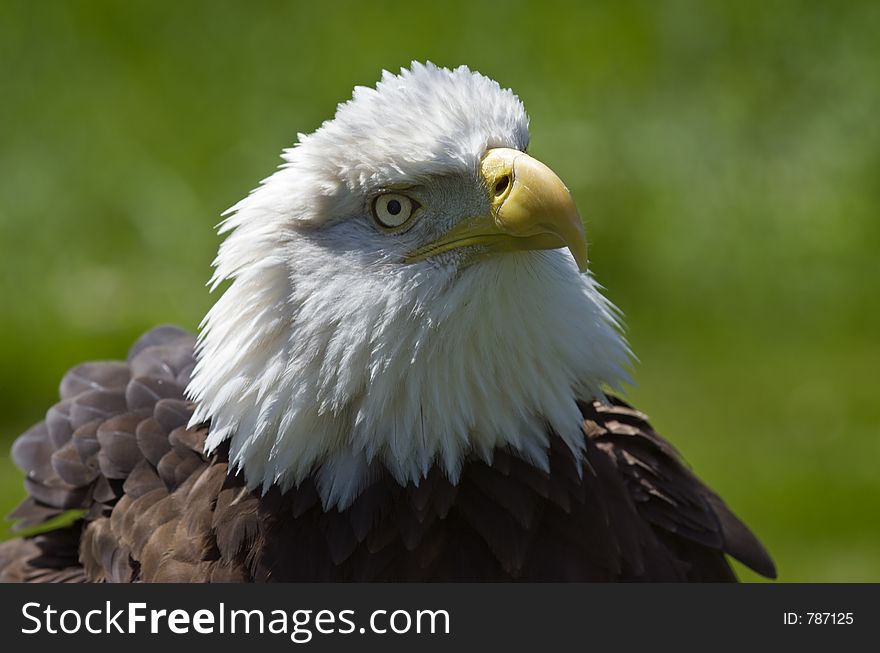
[(411, 376)]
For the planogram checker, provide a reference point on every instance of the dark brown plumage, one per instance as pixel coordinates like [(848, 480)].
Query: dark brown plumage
[(157, 509)]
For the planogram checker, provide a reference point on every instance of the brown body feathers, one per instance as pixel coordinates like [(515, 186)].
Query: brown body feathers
[(157, 509)]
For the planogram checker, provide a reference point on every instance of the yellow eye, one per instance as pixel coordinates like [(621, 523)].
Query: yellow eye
[(392, 210)]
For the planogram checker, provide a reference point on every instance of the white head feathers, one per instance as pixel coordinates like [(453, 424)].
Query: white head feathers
[(329, 356)]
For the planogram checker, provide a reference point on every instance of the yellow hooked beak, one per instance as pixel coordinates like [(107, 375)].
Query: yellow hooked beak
[(530, 209)]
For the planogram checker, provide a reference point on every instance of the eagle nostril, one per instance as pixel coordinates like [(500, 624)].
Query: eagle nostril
[(502, 185)]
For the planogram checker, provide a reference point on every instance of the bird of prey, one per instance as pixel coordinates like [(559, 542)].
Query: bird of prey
[(410, 376)]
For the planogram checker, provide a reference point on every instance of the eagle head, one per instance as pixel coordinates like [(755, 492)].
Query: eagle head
[(408, 289)]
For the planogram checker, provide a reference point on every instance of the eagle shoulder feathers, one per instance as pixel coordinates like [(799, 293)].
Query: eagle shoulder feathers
[(158, 509)]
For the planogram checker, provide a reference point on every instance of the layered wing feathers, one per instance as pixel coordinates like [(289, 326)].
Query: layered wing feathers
[(155, 508)]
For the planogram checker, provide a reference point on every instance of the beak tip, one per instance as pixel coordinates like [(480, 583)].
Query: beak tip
[(579, 254)]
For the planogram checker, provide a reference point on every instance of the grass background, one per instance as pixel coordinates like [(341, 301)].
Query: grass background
[(726, 156)]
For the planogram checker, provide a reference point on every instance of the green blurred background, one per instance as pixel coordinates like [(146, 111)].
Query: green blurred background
[(726, 156)]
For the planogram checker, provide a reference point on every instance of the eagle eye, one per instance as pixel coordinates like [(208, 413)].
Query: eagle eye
[(393, 210)]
